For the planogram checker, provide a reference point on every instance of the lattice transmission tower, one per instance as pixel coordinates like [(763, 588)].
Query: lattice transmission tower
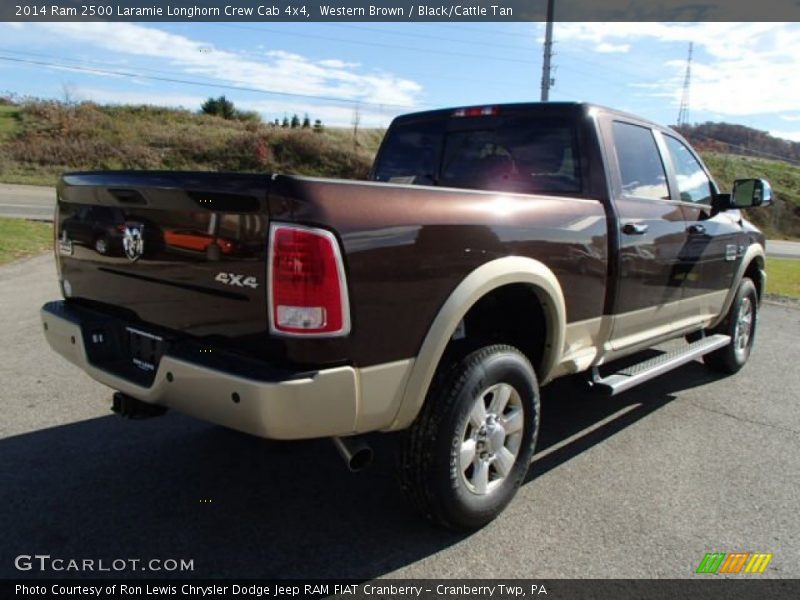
[(683, 113)]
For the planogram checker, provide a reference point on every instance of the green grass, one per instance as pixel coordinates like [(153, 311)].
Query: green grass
[(20, 238), (39, 140), (782, 219), (45, 139), (783, 277), (9, 121)]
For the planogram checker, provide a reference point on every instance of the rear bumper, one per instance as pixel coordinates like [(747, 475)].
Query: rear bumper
[(298, 406)]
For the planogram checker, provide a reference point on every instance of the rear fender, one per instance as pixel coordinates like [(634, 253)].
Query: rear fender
[(481, 281)]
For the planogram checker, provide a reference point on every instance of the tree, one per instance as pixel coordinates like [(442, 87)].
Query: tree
[(295, 122), (318, 126), (220, 107), (306, 122), (285, 122)]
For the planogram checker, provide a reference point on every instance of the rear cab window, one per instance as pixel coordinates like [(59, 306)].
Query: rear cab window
[(641, 170), (514, 153)]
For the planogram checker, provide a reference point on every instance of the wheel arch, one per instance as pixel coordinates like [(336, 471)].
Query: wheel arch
[(478, 284), (752, 265)]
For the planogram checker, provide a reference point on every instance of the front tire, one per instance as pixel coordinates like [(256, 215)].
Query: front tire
[(740, 324), (469, 449)]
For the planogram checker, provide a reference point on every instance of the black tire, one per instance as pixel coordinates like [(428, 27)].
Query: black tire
[(431, 452), (102, 245), (731, 358)]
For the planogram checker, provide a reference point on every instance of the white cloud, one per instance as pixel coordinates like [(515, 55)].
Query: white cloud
[(606, 48), (790, 117), (277, 70), (738, 68), (786, 135)]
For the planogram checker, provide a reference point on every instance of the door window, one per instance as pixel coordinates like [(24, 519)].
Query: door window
[(693, 183), (641, 169)]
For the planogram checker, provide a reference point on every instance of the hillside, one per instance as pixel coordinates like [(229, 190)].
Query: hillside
[(730, 138), (40, 140)]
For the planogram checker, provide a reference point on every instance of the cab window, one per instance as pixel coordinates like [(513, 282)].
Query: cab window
[(641, 169), (693, 183)]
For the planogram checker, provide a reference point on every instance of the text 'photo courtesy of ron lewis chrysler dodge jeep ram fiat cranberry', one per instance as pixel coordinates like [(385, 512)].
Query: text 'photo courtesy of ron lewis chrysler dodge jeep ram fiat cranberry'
[(493, 250)]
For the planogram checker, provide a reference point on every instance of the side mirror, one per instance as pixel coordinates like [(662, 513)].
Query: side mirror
[(749, 193)]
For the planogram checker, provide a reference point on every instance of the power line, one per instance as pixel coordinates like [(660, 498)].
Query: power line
[(376, 44), (787, 159), (200, 83), (423, 36), (253, 55)]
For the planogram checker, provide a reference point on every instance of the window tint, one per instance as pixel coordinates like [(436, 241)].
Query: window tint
[(693, 184), (410, 154), (521, 155), (640, 165), (517, 154)]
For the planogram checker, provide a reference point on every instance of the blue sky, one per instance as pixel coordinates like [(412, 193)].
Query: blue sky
[(744, 73)]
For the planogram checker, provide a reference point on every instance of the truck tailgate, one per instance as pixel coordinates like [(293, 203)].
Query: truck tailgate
[(182, 251)]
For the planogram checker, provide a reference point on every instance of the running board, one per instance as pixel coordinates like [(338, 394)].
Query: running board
[(632, 376)]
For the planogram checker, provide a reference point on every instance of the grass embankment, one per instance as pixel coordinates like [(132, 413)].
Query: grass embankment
[(40, 140), (783, 277), (782, 219), (19, 238)]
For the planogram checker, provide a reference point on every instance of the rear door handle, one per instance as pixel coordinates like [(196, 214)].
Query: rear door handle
[(634, 229), (696, 229)]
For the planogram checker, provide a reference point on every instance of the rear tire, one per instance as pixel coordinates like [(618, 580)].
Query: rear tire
[(469, 449), (101, 245), (740, 324)]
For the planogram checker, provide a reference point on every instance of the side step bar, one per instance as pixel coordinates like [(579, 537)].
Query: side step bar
[(632, 376)]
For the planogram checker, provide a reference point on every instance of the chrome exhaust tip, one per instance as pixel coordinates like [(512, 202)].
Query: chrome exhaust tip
[(355, 452)]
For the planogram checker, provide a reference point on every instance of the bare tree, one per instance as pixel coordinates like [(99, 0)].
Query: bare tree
[(356, 122), (68, 93)]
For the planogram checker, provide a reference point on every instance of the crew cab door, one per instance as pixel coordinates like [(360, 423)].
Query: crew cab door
[(713, 248), (652, 235)]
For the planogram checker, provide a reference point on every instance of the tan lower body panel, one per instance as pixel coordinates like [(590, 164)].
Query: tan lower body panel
[(332, 402), (587, 343)]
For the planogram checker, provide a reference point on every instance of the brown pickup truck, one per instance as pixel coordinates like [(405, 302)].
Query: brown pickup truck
[(495, 249)]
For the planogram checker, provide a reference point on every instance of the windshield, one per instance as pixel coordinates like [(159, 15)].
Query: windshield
[(528, 155)]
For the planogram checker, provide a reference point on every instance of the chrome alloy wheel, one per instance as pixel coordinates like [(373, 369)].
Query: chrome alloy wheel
[(491, 438), (744, 327)]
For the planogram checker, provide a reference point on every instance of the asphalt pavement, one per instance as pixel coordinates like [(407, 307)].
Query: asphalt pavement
[(641, 485), (27, 201)]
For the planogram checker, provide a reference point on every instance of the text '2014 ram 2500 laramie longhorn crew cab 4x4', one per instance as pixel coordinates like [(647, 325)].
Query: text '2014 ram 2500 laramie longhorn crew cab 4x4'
[(494, 250)]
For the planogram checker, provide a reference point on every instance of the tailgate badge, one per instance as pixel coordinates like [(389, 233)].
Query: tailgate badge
[(133, 242)]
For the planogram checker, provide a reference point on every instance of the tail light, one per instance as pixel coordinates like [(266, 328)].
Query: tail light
[(307, 286), (476, 111)]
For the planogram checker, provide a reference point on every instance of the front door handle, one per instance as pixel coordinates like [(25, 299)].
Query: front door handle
[(634, 228), (696, 229)]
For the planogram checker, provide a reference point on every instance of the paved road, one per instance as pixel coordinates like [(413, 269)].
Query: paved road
[(27, 201), (638, 486), (781, 249), (35, 202)]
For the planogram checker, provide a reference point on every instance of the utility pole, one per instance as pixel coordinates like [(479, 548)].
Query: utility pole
[(547, 80), (683, 113)]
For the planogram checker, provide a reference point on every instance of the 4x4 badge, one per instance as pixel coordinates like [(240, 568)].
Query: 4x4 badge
[(133, 242)]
